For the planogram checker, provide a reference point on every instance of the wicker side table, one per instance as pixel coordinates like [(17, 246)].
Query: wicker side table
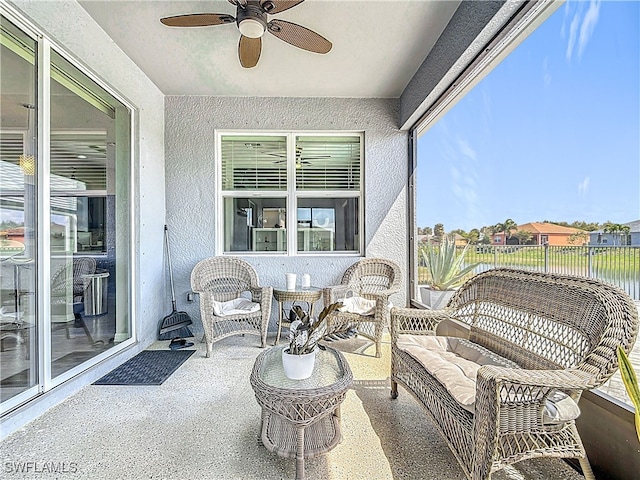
[(308, 295), (301, 418)]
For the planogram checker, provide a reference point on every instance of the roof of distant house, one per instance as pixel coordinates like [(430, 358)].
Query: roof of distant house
[(633, 227), (548, 228)]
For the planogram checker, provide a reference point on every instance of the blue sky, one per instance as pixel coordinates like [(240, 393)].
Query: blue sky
[(552, 133)]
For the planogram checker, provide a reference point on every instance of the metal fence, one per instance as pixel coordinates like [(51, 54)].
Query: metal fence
[(618, 265)]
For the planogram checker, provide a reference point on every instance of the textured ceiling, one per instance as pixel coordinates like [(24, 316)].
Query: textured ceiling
[(377, 47)]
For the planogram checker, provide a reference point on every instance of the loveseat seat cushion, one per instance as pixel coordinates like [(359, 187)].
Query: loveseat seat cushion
[(454, 362)]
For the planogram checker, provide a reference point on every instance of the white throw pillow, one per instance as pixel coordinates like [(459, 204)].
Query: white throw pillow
[(234, 307), (358, 305)]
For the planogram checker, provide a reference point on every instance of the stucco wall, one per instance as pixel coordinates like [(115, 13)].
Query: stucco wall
[(68, 25), (190, 126)]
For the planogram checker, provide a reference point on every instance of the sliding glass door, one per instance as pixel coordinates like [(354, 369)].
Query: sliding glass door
[(19, 234), (65, 218)]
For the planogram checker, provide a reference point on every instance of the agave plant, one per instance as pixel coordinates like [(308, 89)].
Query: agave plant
[(305, 332), (445, 265), (630, 383)]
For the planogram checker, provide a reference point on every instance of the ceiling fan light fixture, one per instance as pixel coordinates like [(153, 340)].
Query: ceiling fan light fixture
[(251, 20), (251, 27)]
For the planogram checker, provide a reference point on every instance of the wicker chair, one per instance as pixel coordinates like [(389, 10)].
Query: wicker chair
[(69, 284), (222, 279), (371, 278), (558, 333)]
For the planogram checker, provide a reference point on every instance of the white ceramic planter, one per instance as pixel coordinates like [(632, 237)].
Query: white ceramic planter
[(435, 299), (298, 367)]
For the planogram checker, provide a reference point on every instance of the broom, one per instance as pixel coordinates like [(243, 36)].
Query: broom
[(174, 325)]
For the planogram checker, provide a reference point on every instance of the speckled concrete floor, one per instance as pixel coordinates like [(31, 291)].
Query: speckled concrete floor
[(203, 423)]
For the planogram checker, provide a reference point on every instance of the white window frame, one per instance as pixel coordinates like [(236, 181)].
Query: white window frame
[(291, 194)]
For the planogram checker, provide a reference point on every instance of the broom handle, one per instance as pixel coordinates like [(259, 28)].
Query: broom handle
[(173, 293)]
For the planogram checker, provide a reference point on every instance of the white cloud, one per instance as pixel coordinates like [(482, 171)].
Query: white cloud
[(583, 187), (573, 32), (464, 189), (588, 25), (546, 75), (466, 149), (581, 29)]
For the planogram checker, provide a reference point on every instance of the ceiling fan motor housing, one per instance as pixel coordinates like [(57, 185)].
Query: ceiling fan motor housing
[(255, 20)]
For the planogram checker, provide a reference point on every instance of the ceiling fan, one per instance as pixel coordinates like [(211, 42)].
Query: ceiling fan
[(300, 159), (251, 18)]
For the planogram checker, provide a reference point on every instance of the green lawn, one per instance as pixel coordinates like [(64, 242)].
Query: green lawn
[(614, 264)]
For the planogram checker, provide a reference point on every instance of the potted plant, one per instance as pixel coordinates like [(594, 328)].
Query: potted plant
[(630, 383), (446, 272), (298, 358)]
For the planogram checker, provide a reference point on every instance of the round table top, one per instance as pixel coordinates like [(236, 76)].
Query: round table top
[(281, 293), (298, 289), (331, 372), (98, 274)]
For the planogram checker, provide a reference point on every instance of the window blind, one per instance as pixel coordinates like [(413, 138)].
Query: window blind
[(254, 163), (328, 163)]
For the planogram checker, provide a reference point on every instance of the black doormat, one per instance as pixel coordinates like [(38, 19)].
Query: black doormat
[(149, 367), (60, 365)]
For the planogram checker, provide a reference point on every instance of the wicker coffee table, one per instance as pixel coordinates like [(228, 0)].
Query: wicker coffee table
[(301, 418), (308, 295)]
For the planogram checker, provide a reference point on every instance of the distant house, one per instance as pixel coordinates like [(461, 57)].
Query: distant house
[(545, 234), (632, 238), (460, 240), (423, 238)]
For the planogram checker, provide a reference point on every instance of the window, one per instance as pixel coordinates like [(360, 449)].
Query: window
[(524, 137), (290, 193)]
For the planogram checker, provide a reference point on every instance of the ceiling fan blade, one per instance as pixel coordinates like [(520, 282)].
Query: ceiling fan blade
[(198, 20), (238, 3), (299, 36), (249, 50), (274, 6)]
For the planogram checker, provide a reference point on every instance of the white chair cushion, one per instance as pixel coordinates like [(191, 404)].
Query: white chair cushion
[(234, 307), (358, 305), (454, 362)]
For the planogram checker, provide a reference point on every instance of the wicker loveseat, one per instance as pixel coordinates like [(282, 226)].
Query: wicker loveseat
[(535, 342)]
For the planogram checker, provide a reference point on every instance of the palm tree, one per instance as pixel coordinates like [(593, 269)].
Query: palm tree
[(616, 230), (486, 234), (506, 227), (473, 236)]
